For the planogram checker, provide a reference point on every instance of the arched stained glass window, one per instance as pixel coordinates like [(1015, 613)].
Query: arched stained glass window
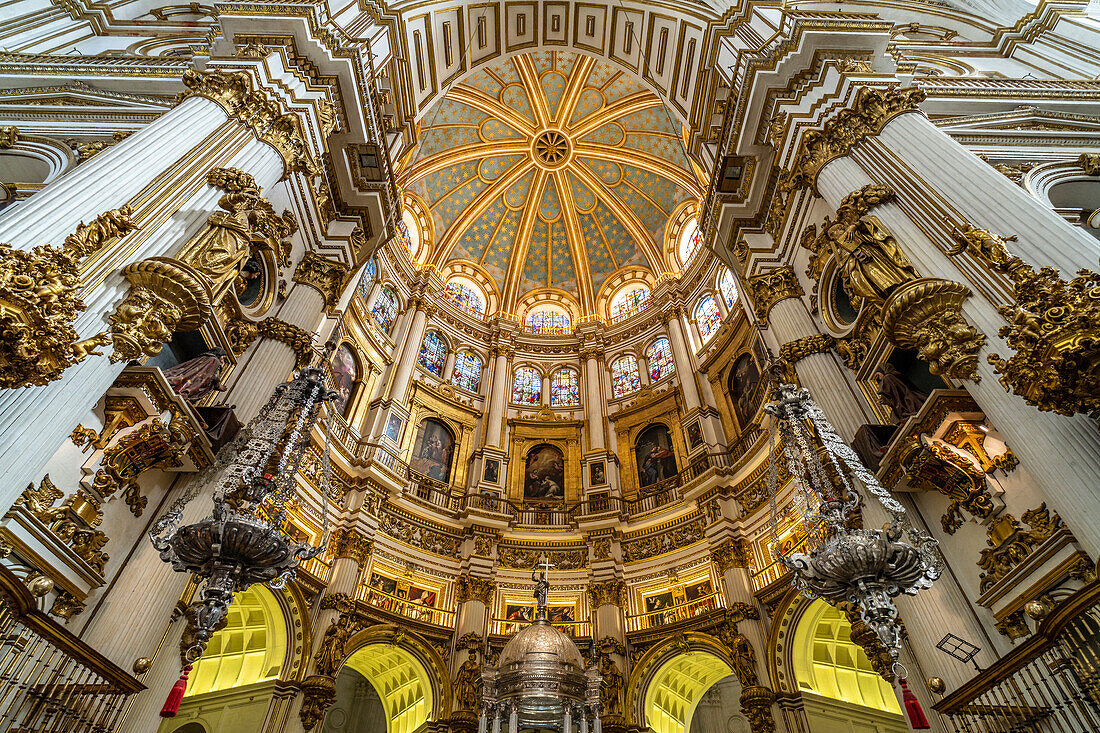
[(565, 388), (385, 309), (690, 238), (526, 386), (707, 318), (466, 294), (467, 372), (659, 356), (433, 352), (366, 280), (548, 321), (624, 376), (629, 302), (408, 233), (728, 286)]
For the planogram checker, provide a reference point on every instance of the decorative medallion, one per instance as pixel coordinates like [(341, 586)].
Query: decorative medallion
[(551, 149)]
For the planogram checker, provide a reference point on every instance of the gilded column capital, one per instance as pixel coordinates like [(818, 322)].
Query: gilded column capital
[(732, 553), (795, 351), (323, 275), (39, 303), (298, 339), (164, 297), (350, 544), (473, 588), (607, 593), (870, 111), (593, 352), (9, 136), (502, 350), (233, 91), (768, 288)]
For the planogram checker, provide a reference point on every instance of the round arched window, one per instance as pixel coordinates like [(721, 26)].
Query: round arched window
[(565, 388), (690, 239), (466, 294), (548, 319), (384, 310), (408, 230), (628, 301), (625, 378), (433, 353), (526, 386), (707, 318), (467, 371), (659, 357), (728, 285)]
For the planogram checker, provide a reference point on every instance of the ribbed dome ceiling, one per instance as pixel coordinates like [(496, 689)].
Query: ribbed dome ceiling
[(550, 170)]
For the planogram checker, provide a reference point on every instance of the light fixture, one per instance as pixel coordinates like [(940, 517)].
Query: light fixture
[(867, 567)]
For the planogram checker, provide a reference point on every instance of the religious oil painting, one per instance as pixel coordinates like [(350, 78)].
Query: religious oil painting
[(516, 616), (564, 617), (492, 470), (393, 428), (656, 608), (345, 371), (699, 596), (744, 386), (433, 450), (655, 455), (694, 435), (544, 474), (596, 474)]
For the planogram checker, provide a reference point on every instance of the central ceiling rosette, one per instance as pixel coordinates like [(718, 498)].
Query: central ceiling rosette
[(550, 171)]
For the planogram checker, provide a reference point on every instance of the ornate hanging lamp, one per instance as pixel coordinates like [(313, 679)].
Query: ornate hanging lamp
[(243, 541), (867, 567)]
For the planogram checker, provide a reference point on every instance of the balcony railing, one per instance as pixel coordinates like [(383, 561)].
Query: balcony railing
[(399, 606), (49, 679), (1049, 683), (575, 629), (673, 614)]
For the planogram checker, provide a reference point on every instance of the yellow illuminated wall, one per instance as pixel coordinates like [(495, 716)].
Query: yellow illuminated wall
[(827, 663), (400, 681), (676, 688), (251, 648)]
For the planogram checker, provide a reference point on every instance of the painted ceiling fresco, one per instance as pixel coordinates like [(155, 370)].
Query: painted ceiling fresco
[(550, 169)]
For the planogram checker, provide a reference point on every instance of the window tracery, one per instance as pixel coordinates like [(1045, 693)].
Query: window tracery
[(707, 318), (466, 295), (384, 310), (526, 386), (625, 377), (467, 371), (565, 388), (433, 353), (548, 321), (659, 358), (629, 302)]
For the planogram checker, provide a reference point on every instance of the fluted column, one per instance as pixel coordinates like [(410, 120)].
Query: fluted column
[(410, 351), (685, 365), (500, 387), (545, 396), (160, 172), (593, 399), (449, 365)]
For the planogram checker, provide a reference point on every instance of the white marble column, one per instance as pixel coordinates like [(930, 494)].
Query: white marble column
[(410, 351), (545, 397), (500, 388), (449, 364), (593, 401), (685, 365), (160, 171)]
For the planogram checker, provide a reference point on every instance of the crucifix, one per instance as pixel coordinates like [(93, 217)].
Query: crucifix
[(541, 576)]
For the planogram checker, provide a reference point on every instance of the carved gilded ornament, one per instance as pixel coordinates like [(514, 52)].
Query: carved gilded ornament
[(869, 113), (9, 136), (1009, 543), (66, 605), (39, 302), (73, 522), (349, 544), (298, 339), (767, 289), (520, 558), (607, 593), (418, 536), (1014, 625), (667, 540), (732, 553), (233, 92), (164, 297), (153, 446), (318, 695), (931, 465), (240, 332), (1090, 163), (324, 275), (1054, 328), (601, 548), (926, 315), (473, 588), (795, 351)]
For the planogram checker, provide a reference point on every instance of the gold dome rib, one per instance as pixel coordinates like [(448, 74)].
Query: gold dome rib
[(531, 82), (462, 154), (645, 161), (481, 101), (575, 237), (477, 206), (638, 102), (582, 67), (626, 215), (518, 260)]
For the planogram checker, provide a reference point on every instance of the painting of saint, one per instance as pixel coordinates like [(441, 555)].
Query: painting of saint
[(492, 470), (518, 616), (393, 428), (654, 605), (698, 597), (596, 473), (345, 372), (563, 617), (544, 474), (694, 435), (654, 455), (432, 452), (744, 382)]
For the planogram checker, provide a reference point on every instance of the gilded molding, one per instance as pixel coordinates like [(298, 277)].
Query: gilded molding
[(74, 522), (607, 593), (926, 315), (795, 351), (1014, 626), (153, 446), (658, 543), (164, 297), (767, 289), (732, 553), (39, 303), (349, 544), (1090, 163), (233, 92), (869, 113), (240, 333), (519, 558), (472, 588), (66, 605), (298, 339), (323, 275), (1054, 328)]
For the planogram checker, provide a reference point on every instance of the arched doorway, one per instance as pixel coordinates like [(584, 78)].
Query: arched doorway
[(719, 709), (678, 685), (399, 682)]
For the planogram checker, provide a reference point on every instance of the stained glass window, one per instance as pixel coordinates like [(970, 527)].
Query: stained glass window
[(385, 309), (370, 270), (467, 373), (526, 386), (433, 352), (628, 303), (728, 286), (659, 356), (466, 296), (707, 317), (548, 321), (408, 233), (690, 238), (565, 388), (624, 375)]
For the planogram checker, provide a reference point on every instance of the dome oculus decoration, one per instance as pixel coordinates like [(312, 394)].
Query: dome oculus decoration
[(549, 170)]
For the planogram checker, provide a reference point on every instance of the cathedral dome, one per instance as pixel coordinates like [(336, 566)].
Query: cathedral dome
[(541, 642)]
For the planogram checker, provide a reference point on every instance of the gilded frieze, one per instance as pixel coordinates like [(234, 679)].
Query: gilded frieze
[(73, 522), (732, 553), (419, 536), (607, 593), (666, 540), (522, 558)]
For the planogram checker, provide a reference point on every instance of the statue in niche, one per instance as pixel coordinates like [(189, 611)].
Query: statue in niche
[(331, 654), (467, 687), (611, 686), (896, 393), (869, 259), (198, 377), (744, 660)]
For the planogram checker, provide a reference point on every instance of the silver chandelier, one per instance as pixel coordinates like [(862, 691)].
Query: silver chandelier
[(243, 541), (866, 567)]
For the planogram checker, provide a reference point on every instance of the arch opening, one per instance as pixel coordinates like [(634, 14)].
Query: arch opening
[(400, 681), (677, 687)]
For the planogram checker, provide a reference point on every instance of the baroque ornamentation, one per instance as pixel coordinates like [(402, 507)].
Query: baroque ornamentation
[(769, 288), (1009, 543), (347, 543), (164, 297), (422, 537), (932, 466), (659, 543), (472, 588), (869, 113), (74, 522), (607, 593), (240, 333), (926, 315), (1014, 626), (298, 339), (733, 553), (985, 246), (233, 92), (1054, 328), (318, 695), (795, 351), (1090, 163), (39, 302), (9, 136), (66, 605), (324, 275), (521, 558)]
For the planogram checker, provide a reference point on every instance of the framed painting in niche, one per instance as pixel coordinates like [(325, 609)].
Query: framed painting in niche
[(694, 435), (345, 372), (393, 428), (654, 605), (655, 456), (544, 474), (433, 450), (744, 389), (596, 474), (492, 471)]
